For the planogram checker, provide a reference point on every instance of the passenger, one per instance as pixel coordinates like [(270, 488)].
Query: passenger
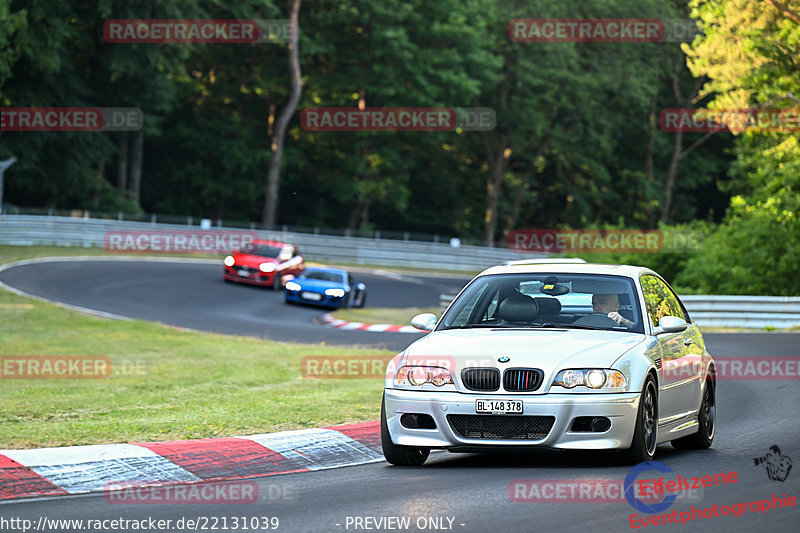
[(608, 304)]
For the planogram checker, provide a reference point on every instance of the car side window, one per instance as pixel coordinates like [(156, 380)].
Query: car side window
[(676, 307), (660, 300)]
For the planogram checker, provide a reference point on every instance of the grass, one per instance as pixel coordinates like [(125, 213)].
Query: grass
[(167, 383), (18, 253), (384, 315)]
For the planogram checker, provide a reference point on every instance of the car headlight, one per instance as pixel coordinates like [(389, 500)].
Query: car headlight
[(420, 375), (593, 378), (336, 293), (292, 286), (266, 267), (229, 261)]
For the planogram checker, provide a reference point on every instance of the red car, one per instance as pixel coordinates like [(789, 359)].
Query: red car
[(264, 263)]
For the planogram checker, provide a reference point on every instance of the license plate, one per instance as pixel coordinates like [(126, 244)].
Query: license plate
[(311, 296), (507, 407)]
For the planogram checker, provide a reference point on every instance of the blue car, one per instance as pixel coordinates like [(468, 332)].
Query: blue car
[(326, 287)]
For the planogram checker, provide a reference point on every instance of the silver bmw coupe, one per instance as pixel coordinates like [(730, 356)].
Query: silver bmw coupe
[(562, 356)]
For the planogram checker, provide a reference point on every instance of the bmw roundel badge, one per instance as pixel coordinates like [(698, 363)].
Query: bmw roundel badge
[(504, 359)]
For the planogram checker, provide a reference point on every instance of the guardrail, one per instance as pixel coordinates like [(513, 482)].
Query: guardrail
[(717, 311), (88, 232), (744, 311), (729, 311)]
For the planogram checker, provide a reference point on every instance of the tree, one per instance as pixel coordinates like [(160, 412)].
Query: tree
[(750, 55), (273, 179)]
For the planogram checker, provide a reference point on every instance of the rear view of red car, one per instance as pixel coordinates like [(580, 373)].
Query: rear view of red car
[(267, 263)]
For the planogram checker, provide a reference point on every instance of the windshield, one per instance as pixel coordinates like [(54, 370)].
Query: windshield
[(580, 301), (324, 276), (264, 250)]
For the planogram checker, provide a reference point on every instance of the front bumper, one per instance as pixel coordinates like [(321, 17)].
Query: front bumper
[(621, 409), (326, 301), (258, 279)]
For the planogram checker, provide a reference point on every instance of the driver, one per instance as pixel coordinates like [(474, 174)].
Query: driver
[(608, 304)]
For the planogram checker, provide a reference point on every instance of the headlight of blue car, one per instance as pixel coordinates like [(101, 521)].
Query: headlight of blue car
[(336, 293)]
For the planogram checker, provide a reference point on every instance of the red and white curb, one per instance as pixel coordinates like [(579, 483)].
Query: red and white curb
[(83, 469), (328, 320)]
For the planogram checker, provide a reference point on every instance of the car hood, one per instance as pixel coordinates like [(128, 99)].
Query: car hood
[(550, 350), (252, 260), (318, 284)]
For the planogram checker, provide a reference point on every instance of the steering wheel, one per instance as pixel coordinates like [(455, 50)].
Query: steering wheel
[(596, 319)]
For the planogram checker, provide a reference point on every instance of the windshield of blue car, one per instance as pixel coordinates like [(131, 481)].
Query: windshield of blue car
[(546, 300), (321, 275), (263, 250)]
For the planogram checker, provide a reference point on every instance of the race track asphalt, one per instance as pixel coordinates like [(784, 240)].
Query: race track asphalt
[(193, 295)]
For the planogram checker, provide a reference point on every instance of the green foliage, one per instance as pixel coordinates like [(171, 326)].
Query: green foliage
[(207, 109), (573, 121), (755, 252), (682, 242), (750, 53)]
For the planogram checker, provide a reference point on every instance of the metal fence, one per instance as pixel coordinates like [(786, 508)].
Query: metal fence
[(778, 312), (82, 231), (29, 230), (744, 311)]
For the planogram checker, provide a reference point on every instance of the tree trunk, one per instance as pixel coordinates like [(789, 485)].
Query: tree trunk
[(270, 212), (672, 172), (515, 207), (498, 164), (649, 165), (122, 163), (358, 214), (101, 177), (136, 165)]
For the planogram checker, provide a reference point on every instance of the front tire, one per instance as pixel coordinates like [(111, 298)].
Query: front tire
[(645, 436), (399, 455), (707, 419), (276, 283), (362, 299)]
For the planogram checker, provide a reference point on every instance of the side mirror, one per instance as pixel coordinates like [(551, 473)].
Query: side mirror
[(425, 321), (670, 324)]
